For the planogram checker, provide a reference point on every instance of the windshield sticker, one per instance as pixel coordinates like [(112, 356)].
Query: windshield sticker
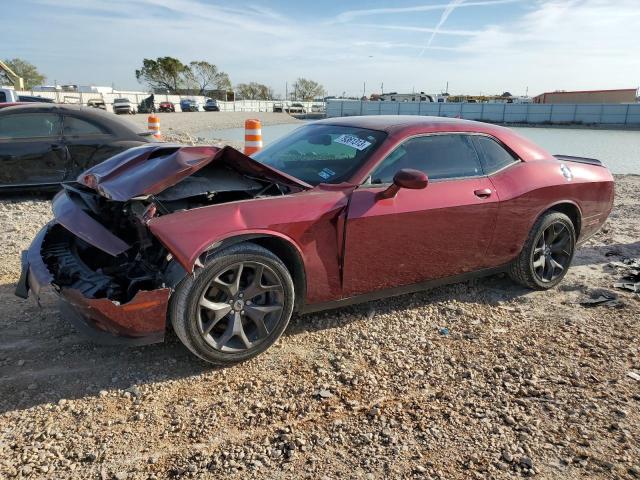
[(326, 173), (352, 141)]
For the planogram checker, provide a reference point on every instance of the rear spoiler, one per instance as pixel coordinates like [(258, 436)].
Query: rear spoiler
[(569, 158)]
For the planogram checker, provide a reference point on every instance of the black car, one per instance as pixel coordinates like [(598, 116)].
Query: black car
[(44, 145)]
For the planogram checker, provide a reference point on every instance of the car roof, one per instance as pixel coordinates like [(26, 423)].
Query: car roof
[(121, 127), (408, 125)]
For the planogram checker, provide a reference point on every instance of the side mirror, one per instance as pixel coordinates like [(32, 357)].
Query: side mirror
[(405, 178)]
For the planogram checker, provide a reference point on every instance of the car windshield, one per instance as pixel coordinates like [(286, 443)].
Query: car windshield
[(121, 100), (319, 153)]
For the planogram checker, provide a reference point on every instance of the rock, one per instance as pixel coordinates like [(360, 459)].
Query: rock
[(506, 456)]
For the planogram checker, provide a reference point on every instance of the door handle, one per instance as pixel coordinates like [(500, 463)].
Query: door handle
[(483, 193)]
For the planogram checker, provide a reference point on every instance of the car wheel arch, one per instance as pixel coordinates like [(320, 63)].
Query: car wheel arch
[(280, 246), (568, 207)]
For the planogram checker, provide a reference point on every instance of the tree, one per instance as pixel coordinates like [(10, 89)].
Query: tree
[(506, 95), (254, 91), (24, 69), (206, 76), (165, 73), (307, 89)]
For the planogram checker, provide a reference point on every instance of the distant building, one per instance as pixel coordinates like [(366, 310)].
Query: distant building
[(627, 95)]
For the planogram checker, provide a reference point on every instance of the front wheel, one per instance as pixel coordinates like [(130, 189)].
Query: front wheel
[(235, 307), (547, 253)]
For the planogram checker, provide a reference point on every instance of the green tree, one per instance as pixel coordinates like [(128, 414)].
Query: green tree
[(206, 76), (24, 69), (254, 91), (307, 90), (166, 73)]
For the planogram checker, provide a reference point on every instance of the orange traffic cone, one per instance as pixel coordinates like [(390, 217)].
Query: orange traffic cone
[(252, 136), (153, 125)]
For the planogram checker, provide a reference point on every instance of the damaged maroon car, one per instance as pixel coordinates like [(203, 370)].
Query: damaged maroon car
[(226, 247)]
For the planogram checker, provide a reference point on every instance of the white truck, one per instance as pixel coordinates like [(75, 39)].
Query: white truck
[(9, 95)]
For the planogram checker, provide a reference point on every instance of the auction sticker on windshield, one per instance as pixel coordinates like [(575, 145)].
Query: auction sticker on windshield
[(352, 141)]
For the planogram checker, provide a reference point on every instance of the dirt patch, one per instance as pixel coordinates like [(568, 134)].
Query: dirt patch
[(475, 380)]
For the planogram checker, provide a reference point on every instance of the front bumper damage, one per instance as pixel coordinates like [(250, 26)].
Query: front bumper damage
[(140, 321)]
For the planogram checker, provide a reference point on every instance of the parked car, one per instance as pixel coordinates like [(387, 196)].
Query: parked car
[(166, 107), (189, 105), (147, 105), (211, 105), (97, 103), (45, 145), (123, 106), (295, 108), (225, 247), (9, 95)]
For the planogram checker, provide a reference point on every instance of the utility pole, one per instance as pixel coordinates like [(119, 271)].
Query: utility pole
[(447, 90), (286, 91), (364, 89), (382, 88)]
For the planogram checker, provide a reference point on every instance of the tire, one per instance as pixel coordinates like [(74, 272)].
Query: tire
[(545, 258), (214, 299)]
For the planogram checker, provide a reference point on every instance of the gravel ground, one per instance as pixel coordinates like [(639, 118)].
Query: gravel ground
[(519, 384)]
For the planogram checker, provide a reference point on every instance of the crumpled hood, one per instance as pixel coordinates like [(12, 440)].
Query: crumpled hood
[(150, 169)]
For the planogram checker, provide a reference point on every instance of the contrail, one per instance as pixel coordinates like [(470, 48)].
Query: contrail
[(443, 18)]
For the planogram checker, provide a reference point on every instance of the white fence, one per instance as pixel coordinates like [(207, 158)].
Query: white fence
[(238, 106), (532, 113)]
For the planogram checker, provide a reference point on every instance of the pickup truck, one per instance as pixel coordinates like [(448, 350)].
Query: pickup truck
[(9, 95), (123, 105)]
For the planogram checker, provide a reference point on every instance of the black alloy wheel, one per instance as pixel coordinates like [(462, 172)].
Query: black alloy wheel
[(240, 306), (235, 307), (553, 251), (547, 253)]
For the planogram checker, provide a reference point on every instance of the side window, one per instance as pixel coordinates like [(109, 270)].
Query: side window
[(30, 125), (74, 126), (492, 155), (3, 97), (439, 156)]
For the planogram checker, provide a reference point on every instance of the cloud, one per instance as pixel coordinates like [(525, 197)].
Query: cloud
[(353, 14), (408, 28), (443, 18)]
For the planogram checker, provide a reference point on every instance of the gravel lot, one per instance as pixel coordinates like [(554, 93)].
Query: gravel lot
[(520, 384), (179, 127)]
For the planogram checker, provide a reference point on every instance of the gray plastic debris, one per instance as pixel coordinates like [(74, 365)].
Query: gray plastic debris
[(602, 298), (634, 375), (630, 268)]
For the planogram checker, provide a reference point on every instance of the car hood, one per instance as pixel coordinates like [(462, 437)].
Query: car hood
[(150, 169)]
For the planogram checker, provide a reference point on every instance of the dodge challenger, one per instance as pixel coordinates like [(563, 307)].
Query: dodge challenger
[(225, 247)]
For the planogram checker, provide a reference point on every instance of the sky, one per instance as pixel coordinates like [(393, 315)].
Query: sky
[(474, 46)]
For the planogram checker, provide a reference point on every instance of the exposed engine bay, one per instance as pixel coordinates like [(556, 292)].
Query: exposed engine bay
[(144, 263)]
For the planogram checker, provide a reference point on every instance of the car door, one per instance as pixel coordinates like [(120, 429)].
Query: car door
[(419, 235), (88, 143), (31, 149)]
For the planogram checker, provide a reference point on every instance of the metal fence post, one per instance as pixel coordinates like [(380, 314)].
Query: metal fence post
[(504, 112), (482, 111), (551, 114), (626, 115), (439, 109), (398, 108)]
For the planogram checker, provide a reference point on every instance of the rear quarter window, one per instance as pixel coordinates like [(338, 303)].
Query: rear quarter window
[(493, 155)]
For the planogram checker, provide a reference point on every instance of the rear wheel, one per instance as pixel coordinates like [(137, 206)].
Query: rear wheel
[(547, 253), (234, 308)]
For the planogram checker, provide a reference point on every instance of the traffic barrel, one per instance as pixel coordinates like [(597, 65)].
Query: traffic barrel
[(252, 136), (153, 125)]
